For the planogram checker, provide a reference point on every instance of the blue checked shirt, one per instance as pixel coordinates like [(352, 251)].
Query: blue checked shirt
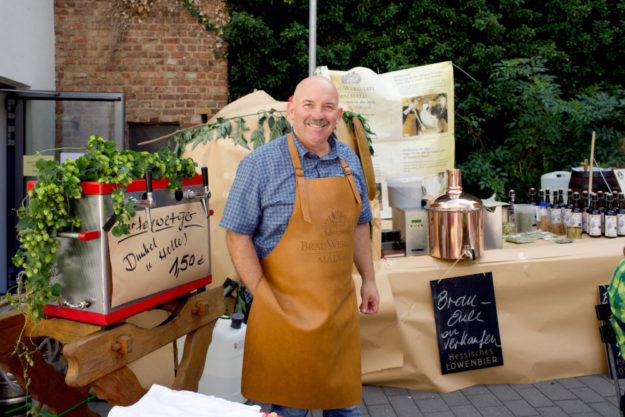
[(262, 196)]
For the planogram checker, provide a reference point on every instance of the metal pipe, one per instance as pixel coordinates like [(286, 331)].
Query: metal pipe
[(312, 37)]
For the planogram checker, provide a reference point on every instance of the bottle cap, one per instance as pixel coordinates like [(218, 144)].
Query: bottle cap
[(237, 319)]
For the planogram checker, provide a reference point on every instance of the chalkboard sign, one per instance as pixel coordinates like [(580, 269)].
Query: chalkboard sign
[(466, 323), (616, 353)]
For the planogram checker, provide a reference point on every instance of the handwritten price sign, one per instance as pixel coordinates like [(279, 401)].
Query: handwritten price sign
[(466, 323), (147, 262)]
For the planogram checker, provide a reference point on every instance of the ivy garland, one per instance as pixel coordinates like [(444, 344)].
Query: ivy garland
[(235, 127)]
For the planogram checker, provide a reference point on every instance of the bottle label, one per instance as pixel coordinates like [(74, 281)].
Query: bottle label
[(556, 216), (585, 222), (576, 220), (611, 226), (594, 224), (567, 216), (621, 224)]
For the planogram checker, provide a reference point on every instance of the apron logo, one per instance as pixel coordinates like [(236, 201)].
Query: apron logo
[(335, 223)]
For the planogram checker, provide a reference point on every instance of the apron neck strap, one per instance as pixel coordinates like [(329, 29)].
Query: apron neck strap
[(299, 177), (299, 180), (350, 178)]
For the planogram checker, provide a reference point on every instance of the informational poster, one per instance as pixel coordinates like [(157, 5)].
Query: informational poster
[(467, 327), (411, 112), (620, 177), (174, 252)]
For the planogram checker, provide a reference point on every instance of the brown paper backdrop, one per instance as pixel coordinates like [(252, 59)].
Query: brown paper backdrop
[(545, 295)]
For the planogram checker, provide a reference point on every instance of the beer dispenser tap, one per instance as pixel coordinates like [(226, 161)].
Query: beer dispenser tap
[(206, 192), (203, 196), (149, 200)]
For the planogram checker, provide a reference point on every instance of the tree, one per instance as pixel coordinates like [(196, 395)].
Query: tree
[(541, 76)]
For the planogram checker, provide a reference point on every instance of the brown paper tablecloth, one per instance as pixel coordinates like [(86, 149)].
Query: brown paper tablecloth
[(545, 294)]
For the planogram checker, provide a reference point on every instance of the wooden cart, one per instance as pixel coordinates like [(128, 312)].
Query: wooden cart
[(97, 357)]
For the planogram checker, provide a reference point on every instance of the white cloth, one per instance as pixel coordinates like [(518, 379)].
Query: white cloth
[(162, 401)]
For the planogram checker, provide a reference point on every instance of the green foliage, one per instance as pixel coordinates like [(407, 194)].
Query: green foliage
[(274, 119), (547, 132), (544, 74)]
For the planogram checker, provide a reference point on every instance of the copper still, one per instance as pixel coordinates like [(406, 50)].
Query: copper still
[(455, 227)]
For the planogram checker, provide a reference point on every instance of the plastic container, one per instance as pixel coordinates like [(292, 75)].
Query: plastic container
[(555, 180), (404, 192), (224, 360)]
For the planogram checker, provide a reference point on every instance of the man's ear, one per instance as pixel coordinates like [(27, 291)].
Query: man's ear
[(340, 115)]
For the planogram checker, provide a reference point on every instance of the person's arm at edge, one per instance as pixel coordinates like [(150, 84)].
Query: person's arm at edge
[(364, 263), (245, 259)]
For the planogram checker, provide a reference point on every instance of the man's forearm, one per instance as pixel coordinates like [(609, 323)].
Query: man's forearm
[(245, 259), (362, 252), (364, 264)]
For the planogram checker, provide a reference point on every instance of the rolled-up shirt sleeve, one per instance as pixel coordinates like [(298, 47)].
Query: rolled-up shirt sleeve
[(242, 211)]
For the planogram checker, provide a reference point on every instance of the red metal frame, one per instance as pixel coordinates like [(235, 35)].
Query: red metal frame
[(125, 312), (99, 188)]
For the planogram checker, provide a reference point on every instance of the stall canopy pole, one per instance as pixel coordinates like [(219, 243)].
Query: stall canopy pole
[(312, 37)]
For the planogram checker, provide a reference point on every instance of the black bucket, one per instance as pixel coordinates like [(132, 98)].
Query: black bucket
[(603, 179)]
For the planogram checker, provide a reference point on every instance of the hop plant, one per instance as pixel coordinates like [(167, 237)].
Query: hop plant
[(49, 209)]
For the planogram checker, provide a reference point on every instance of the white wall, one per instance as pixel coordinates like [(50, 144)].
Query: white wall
[(26, 62), (27, 43)]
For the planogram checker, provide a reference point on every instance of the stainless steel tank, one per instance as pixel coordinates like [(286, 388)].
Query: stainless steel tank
[(455, 226), (84, 265)]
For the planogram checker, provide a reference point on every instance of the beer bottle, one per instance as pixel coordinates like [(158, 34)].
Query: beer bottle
[(548, 198), (620, 215), (601, 207), (556, 215), (511, 215), (532, 199), (543, 211), (574, 228), (610, 228), (594, 217), (567, 208), (585, 206), (534, 205)]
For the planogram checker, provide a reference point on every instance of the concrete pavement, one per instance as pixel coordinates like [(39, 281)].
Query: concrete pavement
[(586, 396)]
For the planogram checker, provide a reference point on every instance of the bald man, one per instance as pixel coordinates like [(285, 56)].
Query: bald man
[(297, 219)]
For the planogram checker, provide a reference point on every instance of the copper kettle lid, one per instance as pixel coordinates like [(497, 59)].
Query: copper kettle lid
[(454, 200)]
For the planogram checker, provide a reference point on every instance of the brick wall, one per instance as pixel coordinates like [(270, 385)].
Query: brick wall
[(164, 62)]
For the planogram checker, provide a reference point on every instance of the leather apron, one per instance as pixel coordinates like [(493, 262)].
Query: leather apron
[(302, 344)]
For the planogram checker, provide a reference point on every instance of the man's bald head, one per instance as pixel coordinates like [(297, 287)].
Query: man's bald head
[(314, 113)]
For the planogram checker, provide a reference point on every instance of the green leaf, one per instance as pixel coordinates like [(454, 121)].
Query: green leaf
[(257, 138)]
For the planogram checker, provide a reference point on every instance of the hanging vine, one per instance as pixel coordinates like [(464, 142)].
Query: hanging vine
[(122, 12), (235, 127)]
